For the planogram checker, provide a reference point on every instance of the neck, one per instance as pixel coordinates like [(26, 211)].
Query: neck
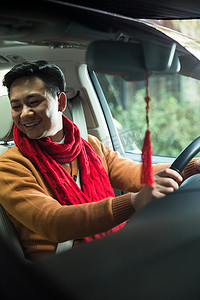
[(58, 136)]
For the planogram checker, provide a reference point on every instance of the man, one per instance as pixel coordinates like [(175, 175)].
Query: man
[(38, 177)]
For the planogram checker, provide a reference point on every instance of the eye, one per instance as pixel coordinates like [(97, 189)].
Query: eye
[(34, 102), (16, 106)]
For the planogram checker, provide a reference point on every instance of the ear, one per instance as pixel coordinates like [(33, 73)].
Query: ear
[(62, 101)]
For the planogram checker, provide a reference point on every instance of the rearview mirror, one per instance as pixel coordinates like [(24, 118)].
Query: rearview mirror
[(131, 60)]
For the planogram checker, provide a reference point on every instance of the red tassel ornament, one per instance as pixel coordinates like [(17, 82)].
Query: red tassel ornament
[(147, 171)]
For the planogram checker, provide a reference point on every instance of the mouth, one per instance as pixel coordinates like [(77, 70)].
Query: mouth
[(31, 125)]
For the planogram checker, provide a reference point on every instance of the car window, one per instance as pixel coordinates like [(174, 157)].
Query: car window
[(174, 111)]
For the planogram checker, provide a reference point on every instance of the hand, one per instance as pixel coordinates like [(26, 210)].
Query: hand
[(166, 181)]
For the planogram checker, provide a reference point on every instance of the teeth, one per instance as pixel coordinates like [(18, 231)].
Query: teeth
[(32, 124)]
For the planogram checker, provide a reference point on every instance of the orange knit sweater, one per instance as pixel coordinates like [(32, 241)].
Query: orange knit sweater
[(42, 222)]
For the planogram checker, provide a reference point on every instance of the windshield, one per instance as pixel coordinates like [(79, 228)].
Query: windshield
[(174, 111)]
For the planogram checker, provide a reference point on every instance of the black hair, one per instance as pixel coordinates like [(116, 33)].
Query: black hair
[(50, 74)]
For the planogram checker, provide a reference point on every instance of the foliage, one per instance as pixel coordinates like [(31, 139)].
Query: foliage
[(173, 124)]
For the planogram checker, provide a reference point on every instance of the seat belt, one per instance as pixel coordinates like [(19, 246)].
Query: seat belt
[(78, 116), (79, 119)]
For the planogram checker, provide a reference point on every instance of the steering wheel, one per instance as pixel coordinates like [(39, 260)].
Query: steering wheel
[(186, 155)]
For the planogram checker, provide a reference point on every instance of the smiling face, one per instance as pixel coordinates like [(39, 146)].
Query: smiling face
[(35, 111)]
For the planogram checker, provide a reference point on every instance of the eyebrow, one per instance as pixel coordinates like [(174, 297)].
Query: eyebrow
[(33, 95), (14, 100), (27, 97)]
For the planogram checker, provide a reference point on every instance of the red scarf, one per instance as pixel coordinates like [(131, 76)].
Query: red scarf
[(48, 156)]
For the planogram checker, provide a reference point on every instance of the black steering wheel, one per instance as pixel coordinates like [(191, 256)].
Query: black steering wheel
[(186, 155)]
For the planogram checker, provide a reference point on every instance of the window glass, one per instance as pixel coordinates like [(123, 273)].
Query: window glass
[(174, 111)]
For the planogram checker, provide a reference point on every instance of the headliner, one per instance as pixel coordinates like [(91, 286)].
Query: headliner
[(150, 9)]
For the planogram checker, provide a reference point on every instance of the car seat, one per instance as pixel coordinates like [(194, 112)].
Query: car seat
[(7, 229)]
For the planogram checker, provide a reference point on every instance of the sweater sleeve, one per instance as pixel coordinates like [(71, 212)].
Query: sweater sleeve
[(190, 169), (124, 173)]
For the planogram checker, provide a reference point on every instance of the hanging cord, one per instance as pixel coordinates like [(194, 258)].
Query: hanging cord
[(147, 100), (147, 171)]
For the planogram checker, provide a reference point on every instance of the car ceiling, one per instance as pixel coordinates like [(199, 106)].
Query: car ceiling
[(148, 9), (51, 20), (77, 23)]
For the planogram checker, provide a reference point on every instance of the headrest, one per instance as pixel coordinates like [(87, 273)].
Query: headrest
[(6, 122)]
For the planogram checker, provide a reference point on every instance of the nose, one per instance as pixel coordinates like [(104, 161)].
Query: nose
[(26, 111)]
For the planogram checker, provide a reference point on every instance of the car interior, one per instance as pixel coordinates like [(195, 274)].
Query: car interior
[(85, 42)]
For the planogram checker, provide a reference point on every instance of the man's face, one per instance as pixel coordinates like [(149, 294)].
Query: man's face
[(34, 110)]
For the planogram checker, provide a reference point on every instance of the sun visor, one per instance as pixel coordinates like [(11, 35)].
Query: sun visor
[(131, 60), (190, 66)]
